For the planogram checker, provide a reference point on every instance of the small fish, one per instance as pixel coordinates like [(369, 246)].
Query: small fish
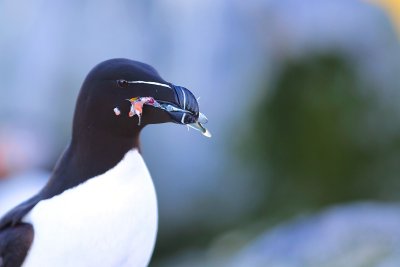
[(137, 109), (199, 127), (137, 106)]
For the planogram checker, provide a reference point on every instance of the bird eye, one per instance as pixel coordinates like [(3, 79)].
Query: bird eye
[(122, 83)]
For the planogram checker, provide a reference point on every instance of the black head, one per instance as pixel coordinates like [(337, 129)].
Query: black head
[(111, 83)]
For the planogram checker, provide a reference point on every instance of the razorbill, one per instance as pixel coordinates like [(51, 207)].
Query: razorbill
[(99, 207)]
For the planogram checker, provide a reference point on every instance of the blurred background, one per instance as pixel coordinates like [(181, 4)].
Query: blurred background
[(303, 102)]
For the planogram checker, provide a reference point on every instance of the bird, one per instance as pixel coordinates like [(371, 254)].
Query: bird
[(99, 207)]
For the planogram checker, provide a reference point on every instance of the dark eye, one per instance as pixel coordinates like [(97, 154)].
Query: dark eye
[(122, 83)]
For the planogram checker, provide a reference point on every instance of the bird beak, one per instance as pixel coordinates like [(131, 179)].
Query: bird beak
[(186, 110)]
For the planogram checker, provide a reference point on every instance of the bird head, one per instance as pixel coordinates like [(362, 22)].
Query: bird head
[(122, 96)]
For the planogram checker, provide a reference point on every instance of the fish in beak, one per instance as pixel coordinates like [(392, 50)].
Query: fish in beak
[(185, 111)]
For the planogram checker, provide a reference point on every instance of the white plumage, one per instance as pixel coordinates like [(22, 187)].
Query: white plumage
[(110, 220)]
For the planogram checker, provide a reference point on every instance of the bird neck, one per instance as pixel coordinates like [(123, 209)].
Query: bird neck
[(86, 157), (95, 152)]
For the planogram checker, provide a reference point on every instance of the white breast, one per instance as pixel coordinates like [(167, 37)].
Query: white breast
[(110, 220)]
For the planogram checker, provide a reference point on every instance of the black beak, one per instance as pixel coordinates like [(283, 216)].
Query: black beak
[(180, 104), (186, 111)]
